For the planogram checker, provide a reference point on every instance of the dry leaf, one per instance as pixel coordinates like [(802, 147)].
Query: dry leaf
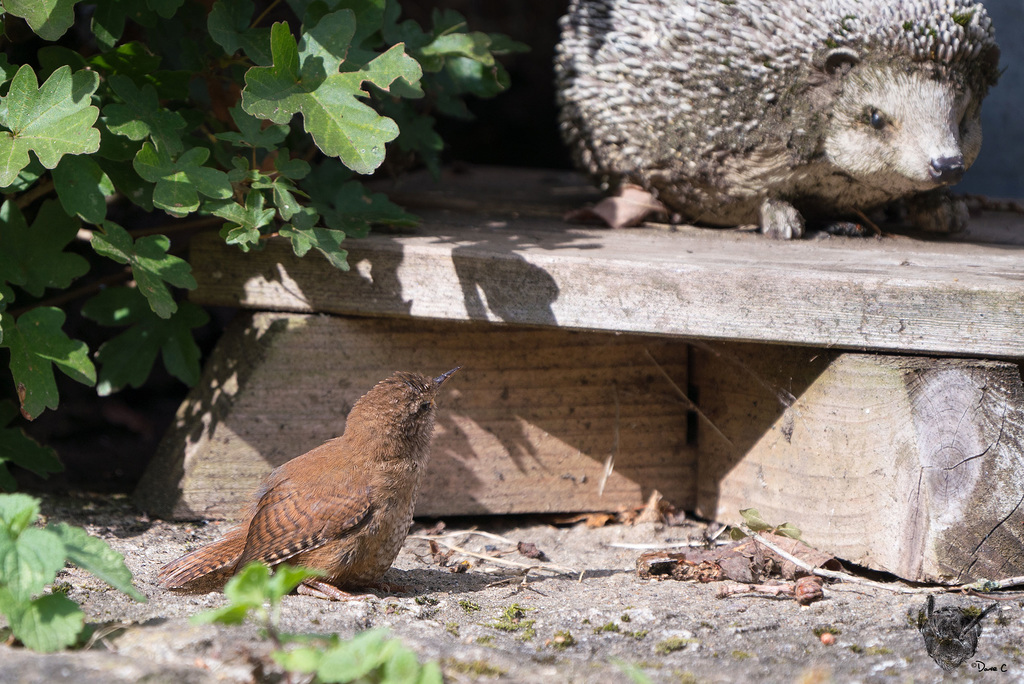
[(630, 207)]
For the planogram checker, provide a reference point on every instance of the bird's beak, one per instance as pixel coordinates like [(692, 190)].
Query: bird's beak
[(439, 380)]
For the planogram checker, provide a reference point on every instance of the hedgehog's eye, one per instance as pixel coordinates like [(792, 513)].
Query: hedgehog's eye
[(877, 119)]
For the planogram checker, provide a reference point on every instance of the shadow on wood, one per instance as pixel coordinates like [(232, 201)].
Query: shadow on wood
[(530, 426)]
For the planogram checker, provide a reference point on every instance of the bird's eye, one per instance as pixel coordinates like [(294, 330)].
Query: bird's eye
[(424, 407), (877, 119)]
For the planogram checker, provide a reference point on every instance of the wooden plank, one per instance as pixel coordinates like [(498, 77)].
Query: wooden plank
[(513, 260), (527, 425), (906, 464)]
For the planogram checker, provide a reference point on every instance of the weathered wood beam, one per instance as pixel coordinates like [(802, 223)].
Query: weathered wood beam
[(536, 421), (907, 464)]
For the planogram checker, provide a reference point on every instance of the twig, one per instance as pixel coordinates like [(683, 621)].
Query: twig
[(833, 574), (983, 586), (71, 295), (686, 400), (558, 569), (674, 545), (461, 533), (870, 224)]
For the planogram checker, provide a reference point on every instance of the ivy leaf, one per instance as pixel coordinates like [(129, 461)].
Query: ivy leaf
[(229, 27), (95, 556), (46, 624), (128, 358), (52, 120), (305, 235), (307, 81), (18, 448), (251, 132), (48, 18), (151, 265), (82, 187), (180, 182), (244, 223), (141, 115), (37, 343), (32, 258)]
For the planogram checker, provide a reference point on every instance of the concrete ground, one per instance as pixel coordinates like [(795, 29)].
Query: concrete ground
[(622, 628)]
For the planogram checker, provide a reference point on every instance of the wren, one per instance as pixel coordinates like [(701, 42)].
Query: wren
[(343, 508)]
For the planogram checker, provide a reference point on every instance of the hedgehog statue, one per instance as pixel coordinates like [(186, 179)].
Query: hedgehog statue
[(739, 112)]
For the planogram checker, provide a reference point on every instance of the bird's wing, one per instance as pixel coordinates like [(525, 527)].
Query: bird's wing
[(287, 523)]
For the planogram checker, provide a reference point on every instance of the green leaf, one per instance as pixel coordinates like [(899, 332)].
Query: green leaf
[(52, 120), (246, 591), (304, 659), (48, 18), (18, 448), (475, 46), (132, 59), (229, 27), (95, 556), (251, 132), (285, 578), (17, 512), (308, 82), (29, 562), (244, 223), (752, 517), (350, 660), (305, 236), (48, 623), (128, 358), (151, 265), (37, 343), (346, 205), (142, 116), (33, 258), (180, 182), (227, 615), (7, 70), (787, 530), (82, 187)]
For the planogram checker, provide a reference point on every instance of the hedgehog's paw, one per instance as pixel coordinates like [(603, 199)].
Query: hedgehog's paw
[(937, 212), (781, 220)]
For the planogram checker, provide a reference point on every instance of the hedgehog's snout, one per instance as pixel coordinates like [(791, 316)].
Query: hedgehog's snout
[(947, 170)]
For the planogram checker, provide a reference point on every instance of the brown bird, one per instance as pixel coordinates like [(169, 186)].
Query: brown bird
[(343, 508)]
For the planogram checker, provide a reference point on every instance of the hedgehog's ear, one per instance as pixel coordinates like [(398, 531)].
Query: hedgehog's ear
[(838, 61)]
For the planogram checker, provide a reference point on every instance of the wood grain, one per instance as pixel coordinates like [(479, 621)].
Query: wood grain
[(907, 464), (527, 427)]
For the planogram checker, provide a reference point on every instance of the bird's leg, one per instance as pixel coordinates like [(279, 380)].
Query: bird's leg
[(325, 590)]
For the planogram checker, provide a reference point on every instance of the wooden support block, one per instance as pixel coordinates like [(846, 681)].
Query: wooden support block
[(907, 464), (528, 425)]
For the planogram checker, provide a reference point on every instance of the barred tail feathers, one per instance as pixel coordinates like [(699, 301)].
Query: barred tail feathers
[(212, 558)]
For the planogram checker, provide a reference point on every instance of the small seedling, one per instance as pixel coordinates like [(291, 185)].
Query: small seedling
[(367, 657)]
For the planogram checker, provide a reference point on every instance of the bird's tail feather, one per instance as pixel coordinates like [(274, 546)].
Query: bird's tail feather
[(216, 557)]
